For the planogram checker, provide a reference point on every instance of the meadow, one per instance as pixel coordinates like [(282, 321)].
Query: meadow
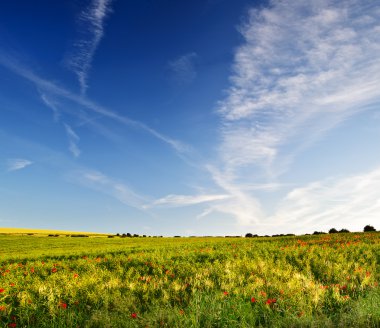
[(302, 281)]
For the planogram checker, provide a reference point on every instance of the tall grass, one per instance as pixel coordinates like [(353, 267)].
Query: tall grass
[(313, 281)]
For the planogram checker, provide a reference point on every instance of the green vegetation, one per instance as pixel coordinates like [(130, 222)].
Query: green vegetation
[(289, 281)]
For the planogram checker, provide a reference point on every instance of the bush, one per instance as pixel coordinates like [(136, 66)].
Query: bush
[(344, 231), (248, 235), (369, 228), (333, 230)]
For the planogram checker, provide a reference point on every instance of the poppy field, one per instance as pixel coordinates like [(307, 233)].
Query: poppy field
[(301, 281)]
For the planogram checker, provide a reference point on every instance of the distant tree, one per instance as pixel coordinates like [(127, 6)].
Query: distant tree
[(344, 231), (118, 234), (333, 230), (135, 235), (369, 228), (129, 235), (248, 235)]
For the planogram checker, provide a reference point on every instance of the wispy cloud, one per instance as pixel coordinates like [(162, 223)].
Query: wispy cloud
[(100, 182), (52, 105), (15, 164), (59, 91), (185, 200), (92, 30), (333, 202), (303, 69), (73, 140), (183, 68), (302, 64)]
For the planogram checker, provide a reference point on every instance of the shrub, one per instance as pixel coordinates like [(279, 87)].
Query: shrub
[(369, 228), (344, 231), (248, 235), (333, 230)]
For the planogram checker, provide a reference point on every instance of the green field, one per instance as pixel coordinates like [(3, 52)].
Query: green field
[(309, 281)]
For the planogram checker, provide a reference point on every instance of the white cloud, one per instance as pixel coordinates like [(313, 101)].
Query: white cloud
[(183, 68), (73, 140), (15, 164), (302, 63), (352, 201), (185, 200), (92, 23), (107, 185), (303, 69)]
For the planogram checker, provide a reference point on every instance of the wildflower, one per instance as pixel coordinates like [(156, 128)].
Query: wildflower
[(63, 305), (54, 270), (134, 315), (263, 293), (12, 284), (2, 290), (76, 275), (12, 324), (3, 307), (32, 270), (253, 300), (270, 301), (181, 312), (225, 293)]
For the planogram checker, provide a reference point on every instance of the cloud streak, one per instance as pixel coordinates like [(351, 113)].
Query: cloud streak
[(186, 200), (102, 183), (92, 22), (15, 164), (73, 140), (54, 89), (183, 68)]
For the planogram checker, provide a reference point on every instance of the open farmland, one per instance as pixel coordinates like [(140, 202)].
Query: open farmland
[(308, 281)]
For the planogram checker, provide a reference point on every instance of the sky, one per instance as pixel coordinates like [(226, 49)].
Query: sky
[(202, 117)]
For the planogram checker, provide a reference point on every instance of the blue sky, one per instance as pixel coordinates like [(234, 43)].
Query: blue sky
[(190, 117)]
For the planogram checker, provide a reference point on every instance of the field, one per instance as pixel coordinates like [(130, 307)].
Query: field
[(309, 281)]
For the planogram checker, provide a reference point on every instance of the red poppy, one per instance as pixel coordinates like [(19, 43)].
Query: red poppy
[(76, 275), (12, 324), (253, 300), (3, 307), (63, 305), (2, 290), (270, 301), (134, 315), (54, 270)]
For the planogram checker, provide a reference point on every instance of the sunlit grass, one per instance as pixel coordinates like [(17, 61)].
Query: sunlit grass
[(313, 281)]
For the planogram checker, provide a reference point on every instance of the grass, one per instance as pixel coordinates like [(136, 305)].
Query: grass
[(43, 232), (309, 281)]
